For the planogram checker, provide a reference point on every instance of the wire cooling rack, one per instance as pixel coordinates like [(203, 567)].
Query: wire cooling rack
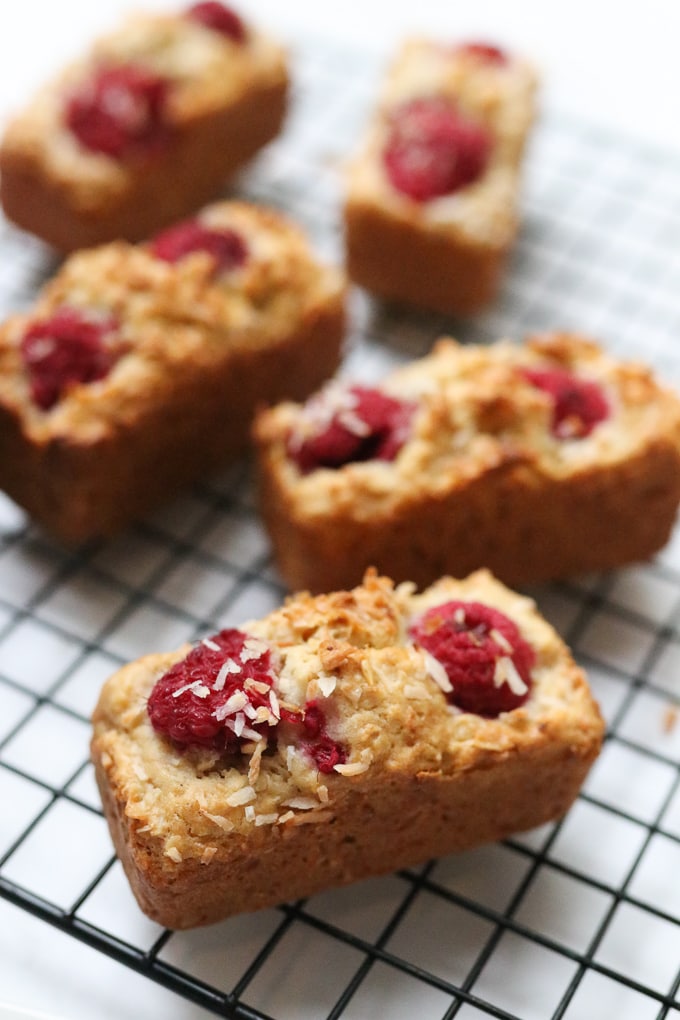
[(577, 919)]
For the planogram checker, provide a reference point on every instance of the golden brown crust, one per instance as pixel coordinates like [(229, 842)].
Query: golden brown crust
[(202, 354), (399, 259), (222, 112), (482, 482), (445, 254), (422, 778)]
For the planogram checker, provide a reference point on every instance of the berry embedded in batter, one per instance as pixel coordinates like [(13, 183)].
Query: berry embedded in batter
[(226, 246), (119, 111), (578, 404), (487, 661), (326, 752), (349, 424), (219, 18), (68, 348), (486, 52), (220, 696), (432, 149)]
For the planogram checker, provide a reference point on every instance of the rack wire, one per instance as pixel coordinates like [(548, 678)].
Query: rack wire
[(561, 922)]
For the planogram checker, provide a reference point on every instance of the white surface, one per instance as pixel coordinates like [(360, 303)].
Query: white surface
[(613, 62), (607, 61)]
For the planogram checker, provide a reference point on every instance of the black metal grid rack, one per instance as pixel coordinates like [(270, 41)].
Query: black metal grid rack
[(575, 920)]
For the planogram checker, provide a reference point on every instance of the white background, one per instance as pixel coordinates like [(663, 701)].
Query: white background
[(608, 61)]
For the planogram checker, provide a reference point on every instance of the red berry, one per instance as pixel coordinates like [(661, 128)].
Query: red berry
[(220, 696), (485, 52), (66, 349), (219, 18), (118, 111), (434, 150), (578, 404), (226, 246), (325, 751), (486, 659), (353, 424)]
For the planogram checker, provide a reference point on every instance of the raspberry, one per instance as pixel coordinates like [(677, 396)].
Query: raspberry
[(578, 404), (118, 111), (226, 246), (219, 18), (353, 424), (433, 150), (220, 696), (485, 52), (486, 659), (66, 349), (325, 751)]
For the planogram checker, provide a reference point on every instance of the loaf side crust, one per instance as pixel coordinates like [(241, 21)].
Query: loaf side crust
[(422, 779)]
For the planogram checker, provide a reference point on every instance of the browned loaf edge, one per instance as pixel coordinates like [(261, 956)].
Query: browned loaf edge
[(467, 780), (400, 260), (202, 355), (191, 170), (516, 516)]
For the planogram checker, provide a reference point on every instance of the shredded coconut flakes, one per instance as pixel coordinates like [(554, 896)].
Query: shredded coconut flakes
[(242, 796), (500, 640), (269, 819), (327, 685), (436, 671), (505, 672), (225, 670)]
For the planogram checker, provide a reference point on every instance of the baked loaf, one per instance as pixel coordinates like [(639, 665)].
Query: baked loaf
[(431, 206), (139, 368), (334, 746), (538, 461), (144, 129)]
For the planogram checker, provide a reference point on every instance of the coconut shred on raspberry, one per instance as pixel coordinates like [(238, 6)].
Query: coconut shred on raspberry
[(222, 697), (347, 424), (477, 656)]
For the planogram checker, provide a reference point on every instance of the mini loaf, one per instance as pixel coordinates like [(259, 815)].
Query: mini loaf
[(144, 129), (139, 368), (340, 737), (431, 206), (538, 461)]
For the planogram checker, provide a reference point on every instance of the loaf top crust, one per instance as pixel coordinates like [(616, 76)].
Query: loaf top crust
[(351, 651), (476, 415), (175, 318), (499, 96), (207, 72)]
